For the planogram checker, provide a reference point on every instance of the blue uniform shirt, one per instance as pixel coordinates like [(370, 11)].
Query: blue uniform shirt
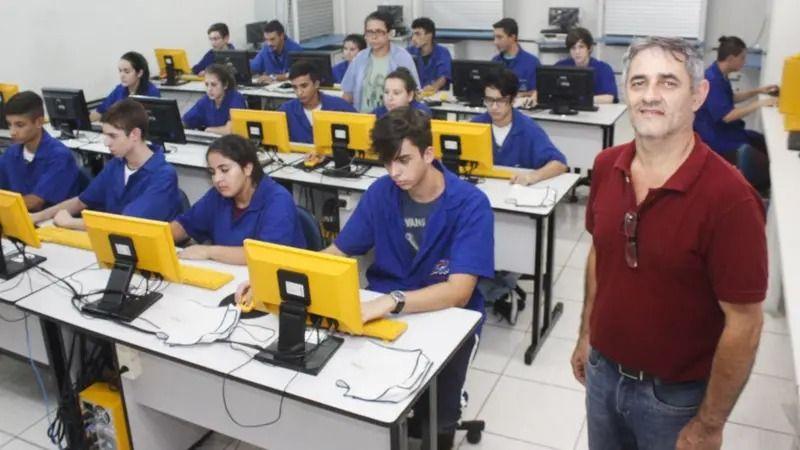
[(604, 81), (207, 60), (271, 216), (151, 192), (527, 145), (205, 113), (269, 62), (720, 136), (381, 111), (300, 129), (339, 70), (121, 93), (439, 65), (52, 175), (524, 66), (459, 237)]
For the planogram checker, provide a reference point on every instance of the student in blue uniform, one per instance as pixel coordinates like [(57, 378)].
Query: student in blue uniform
[(38, 166), (219, 37), (134, 79), (213, 111), (137, 182), (719, 121), (244, 203), (580, 44), (517, 140), (305, 82), (433, 238), (514, 57), (399, 90), (433, 60), (272, 62), (352, 44)]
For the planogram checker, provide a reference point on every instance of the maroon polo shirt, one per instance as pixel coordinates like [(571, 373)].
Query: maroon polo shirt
[(701, 240)]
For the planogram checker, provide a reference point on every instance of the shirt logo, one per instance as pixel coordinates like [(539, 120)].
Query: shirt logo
[(441, 268)]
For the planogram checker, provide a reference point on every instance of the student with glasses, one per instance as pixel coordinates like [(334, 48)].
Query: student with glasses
[(676, 273), (362, 84)]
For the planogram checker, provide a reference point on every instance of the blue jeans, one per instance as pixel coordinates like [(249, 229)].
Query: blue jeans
[(624, 413)]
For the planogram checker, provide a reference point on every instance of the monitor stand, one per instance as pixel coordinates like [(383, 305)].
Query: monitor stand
[(343, 161), (14, 264), (563, 109), (67, 132), (173, 78)]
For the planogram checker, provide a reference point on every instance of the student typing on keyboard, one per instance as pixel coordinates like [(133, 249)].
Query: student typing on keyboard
[(244, 203), (213, 111), (138, 181), (433, 237)]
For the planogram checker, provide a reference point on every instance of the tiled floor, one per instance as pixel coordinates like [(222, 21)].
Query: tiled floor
[(525, 407)]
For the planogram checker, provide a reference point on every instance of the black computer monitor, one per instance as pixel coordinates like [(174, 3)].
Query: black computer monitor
[(396, 13), (468, 79), (3, 123), (255, 33), (67, 111), (565, 90), (238, 62), (321, 60), (163, 120)]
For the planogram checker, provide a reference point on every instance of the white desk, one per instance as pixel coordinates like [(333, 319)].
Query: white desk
[(177, 385), (784, 220)]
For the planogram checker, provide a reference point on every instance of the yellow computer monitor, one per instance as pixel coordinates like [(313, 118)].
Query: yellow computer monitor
[(269, 128), (352, 129), (179, 60), (789, 102), (16, 226), (7, 91), (468, 145)]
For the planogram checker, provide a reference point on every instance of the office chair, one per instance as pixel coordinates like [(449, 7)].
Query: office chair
[(311, 230)]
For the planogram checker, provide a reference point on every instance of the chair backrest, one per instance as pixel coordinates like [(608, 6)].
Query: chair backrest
[(185, 205), (84, 178), (311, 230)]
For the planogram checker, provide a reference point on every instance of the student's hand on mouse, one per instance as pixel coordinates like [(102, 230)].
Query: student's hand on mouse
[(64, 219), (377, 308), (265, 79), (525, 102), (195, 252), (769, 89), (243, 297), (525, 178)]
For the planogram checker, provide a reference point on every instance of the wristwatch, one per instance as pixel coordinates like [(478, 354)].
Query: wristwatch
[(399, 298)]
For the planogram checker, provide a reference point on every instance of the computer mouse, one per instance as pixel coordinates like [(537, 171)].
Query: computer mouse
[(775, 92), (231, 299), (285, 85)]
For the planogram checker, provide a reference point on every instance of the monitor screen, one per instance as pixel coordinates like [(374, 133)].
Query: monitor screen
[(67, 110), (238, 62), (468, 79), (255, 33), (16, 225), (321, 60), (6, 92), (565, 89), (164, 120)]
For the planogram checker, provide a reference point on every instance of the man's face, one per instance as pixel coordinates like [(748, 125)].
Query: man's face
[(376, 33), (24, 128), (420, 38), (498, 106), (275, 41), (305, 89), (659, 94), (350, 50), (580, 53), (118, 143), (408, 168), (502, 41), (217, 41), (737, 62)]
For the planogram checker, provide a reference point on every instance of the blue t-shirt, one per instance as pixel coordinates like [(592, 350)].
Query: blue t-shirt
[(207, 60), (527, 145), (52, 175), (524, 66), (300, 129), (121, 93), (151, 191), (439, 65), (604, 81), (381, 111), (271, 63), (459, 237), (205, 113), (271, 216), (339, 70), (720, 136)]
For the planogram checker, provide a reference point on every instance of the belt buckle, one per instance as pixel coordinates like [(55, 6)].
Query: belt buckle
[(638, 376)]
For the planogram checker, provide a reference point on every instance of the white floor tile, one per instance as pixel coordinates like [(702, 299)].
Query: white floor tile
[(496, 347), (563, 250), (583, 439), (767, 402), (524, 319), (775, 324), (37, 434), (18, 411), (551, 365), (4, 437), (18, 444), (570, 321), (774, 356), (479, 385), (533, 412), (569, 285), (491, 441), (570, 221), (738, 437), (577, 259)]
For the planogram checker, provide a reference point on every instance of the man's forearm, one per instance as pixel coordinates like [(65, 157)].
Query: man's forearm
[(590, 290)]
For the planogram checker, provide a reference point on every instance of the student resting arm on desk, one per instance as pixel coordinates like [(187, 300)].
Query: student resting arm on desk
[(134, 79), (432, 234), (244, 203), (38, 166), (580, 43), (434, 63), (517, 140), (213, 111), (137, 182), (272, 62)]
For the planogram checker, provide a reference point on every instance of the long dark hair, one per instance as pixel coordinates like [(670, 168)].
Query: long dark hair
[(139, 64), (239, 150)]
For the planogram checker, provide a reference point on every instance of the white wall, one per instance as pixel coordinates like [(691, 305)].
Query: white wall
[(77, 43), (782, 39)]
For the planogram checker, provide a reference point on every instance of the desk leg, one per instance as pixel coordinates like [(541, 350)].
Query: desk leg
[(399, 435), (530, 353), (58, 361), (608, 137), (430, 429), (550, 316)]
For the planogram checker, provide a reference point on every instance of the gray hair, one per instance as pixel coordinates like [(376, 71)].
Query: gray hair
[(681, 49)]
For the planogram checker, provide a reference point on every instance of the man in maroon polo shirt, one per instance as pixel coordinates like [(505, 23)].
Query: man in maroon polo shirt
[(676, 273)]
